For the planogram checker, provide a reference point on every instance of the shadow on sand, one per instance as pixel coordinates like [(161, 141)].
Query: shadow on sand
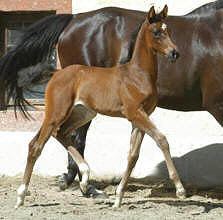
[(202, 168)]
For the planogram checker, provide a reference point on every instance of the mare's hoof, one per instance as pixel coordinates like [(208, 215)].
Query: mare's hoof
[(181, 194), (62, 182), (94, 193)]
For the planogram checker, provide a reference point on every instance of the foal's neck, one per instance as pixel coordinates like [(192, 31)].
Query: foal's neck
[(144, 58)]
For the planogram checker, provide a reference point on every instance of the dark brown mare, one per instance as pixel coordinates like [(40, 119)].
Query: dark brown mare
[(127, 91), (194, 83)]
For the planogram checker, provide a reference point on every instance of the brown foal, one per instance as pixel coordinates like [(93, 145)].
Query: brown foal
[(127, 91)]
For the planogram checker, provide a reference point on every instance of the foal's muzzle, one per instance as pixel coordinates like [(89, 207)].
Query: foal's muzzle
[(173, 55)]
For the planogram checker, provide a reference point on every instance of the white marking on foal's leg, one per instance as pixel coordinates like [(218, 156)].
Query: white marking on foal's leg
[(21, 193), (180, 191), (84, 169), (119, 196), (79, 102)]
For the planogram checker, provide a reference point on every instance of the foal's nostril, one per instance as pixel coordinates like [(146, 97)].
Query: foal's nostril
[(174, 54)]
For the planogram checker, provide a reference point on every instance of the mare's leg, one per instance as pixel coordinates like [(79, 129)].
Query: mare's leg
[(216, 111), (212, 90), (135, 144), (35, 149), (143, 122), (213, 103)]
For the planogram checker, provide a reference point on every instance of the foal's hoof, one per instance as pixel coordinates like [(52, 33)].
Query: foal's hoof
[(18, 205), (181, 194), (95, 193), (62, 182), (116, 205), (20, 202)]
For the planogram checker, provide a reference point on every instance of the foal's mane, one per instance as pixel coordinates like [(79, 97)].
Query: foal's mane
[(132, 43), (157, 18), (207, 8)]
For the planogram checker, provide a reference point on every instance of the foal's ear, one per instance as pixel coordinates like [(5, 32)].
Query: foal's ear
[(151, 14), (164, 12)]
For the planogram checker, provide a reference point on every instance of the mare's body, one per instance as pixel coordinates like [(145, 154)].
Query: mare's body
[(193, 84)]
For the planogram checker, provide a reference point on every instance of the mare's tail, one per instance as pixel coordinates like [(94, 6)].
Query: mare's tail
[(35, 46)]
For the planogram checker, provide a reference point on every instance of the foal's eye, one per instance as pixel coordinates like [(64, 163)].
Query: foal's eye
[(157, 33)]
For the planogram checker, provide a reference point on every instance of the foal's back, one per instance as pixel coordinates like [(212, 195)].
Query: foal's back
[(95, 87)]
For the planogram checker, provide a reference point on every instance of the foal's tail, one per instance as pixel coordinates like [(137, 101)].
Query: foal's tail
[(35, 47)]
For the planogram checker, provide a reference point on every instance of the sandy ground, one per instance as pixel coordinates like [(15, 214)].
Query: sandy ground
[(151, 201), (154, 201)]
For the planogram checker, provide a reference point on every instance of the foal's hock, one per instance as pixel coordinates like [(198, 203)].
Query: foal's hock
[(79, 92)]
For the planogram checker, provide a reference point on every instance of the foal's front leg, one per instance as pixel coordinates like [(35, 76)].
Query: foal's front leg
[(143, 122), (135, 144)]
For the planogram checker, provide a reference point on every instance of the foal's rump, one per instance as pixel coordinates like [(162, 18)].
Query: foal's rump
[(62, 101)]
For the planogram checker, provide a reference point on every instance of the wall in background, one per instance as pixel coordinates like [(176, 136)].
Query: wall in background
[(176, 7)]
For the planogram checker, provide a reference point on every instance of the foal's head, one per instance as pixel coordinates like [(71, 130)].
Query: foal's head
[(157, 35)]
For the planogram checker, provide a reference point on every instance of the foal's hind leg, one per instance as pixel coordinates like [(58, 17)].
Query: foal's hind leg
[(64, 136), (143, 122), (35, 149), (80, 116), (54, 117), (135, 144), (83, 168), (78, 140), (86, 189)]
